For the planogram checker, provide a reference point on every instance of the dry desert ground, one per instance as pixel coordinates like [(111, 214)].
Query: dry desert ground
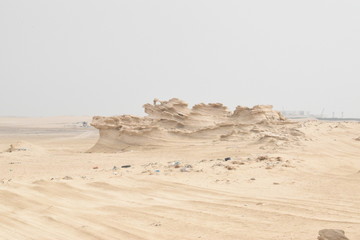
[(285, 186)]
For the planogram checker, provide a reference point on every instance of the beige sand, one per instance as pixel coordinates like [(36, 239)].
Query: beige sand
[(272, 188)]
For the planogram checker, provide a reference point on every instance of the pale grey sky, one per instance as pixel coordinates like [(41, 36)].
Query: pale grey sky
[(84, 57)]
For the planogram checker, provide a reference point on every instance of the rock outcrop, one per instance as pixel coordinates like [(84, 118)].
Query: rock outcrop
[(172, 122), (332, 234)]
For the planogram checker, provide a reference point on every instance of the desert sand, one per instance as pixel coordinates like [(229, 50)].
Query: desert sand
[(179, 173)]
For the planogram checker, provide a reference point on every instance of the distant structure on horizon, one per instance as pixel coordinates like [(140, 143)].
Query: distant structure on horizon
[(300, 114), (306, 114)]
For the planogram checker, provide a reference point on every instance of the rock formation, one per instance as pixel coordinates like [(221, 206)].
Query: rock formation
[(332, 234), (172, 122)]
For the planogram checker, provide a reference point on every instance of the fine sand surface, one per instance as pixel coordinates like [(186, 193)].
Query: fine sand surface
[(274, 187)]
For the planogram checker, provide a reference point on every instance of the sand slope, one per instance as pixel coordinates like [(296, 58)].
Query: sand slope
[(282, 182)]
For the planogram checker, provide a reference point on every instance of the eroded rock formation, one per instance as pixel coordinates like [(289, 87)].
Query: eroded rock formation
[(173, 122)]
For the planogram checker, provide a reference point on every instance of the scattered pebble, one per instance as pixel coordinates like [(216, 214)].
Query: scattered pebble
[(157, 224), (238, 162), (3, 181), (218, 165), (287, 165), (230, 168), (14, 163), (185, 169), (175, 164), (262, 158)]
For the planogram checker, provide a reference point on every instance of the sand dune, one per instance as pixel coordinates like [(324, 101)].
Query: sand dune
[(284, 179)]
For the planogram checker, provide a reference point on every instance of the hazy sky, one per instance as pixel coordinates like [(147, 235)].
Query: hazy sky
[(84, 57)]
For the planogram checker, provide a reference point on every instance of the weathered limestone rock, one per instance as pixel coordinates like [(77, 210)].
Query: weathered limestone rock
[(332, 234)]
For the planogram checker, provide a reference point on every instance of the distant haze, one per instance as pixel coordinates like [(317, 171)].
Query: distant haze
[(110, 57)]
